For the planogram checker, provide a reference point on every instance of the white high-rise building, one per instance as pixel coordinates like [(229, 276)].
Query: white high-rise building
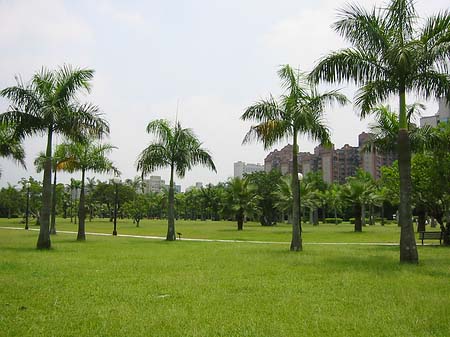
[(442, 115), (241, 168)]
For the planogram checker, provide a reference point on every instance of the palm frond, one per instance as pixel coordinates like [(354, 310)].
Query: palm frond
[(365, 30), (370, 94), (69, 81), (153, 157), (349, 65)]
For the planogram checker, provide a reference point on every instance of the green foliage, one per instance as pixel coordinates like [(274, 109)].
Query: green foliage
[(334, 220), (265, 185)]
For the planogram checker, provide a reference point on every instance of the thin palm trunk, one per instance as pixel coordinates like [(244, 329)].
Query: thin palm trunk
[(240, 219), (171, 215), (363, 215), (81, 211), (44, 233), (53, 217), (296, 243), (358, 224)]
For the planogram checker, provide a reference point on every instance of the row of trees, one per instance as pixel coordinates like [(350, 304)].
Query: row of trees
[(390, 54)]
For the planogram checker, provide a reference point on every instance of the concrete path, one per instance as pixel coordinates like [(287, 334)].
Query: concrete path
[(220, 240)]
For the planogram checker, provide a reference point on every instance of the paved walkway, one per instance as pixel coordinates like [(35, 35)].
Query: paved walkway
[(220, 240)]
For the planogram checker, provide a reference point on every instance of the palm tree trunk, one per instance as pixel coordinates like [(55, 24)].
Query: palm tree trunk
[(240, 219), (408, 249), (44, 233), (171, 212), (363, 215), (335, 216), (382, 213), (53, 218), (296, 243), (358, 224), (81, 211)]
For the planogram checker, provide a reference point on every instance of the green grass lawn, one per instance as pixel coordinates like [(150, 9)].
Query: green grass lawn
[(115, 286), (227, 230)]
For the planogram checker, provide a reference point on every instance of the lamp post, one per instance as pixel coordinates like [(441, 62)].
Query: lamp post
[(300, 177), (27, 213), (116, 201)]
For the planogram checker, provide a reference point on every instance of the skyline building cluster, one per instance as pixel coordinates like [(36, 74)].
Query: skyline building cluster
[(334, 164)]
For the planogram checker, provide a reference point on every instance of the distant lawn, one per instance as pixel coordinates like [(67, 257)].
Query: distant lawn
[(227, 230), (110, 286)]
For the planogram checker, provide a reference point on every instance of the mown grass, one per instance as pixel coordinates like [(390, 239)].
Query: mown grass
[(115, 286), (227, 230)]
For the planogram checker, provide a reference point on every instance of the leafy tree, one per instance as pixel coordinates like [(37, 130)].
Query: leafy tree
[(48, 105), (178, 149), (35, 196), (265, 184), (298, 112), (86, 156), (392, 55), (11, 201), (136, 209)]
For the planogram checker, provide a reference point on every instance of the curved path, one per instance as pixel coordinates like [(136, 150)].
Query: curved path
[(220, 240)]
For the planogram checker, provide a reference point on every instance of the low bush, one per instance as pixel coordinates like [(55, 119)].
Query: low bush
[(333, 220)]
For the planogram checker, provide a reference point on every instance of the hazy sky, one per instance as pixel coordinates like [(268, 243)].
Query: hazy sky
[(213, 57)]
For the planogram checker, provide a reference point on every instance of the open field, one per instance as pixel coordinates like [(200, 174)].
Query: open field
[(110, 286), (227, 230)]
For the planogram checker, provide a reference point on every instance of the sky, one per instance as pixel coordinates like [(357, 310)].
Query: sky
[(205, 59)]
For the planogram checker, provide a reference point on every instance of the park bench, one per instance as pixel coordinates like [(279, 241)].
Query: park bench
[(431, 236)]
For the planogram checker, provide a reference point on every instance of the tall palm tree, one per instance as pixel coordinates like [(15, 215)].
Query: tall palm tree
[(48, 105), (178, 149), (10, 144), (86, 156), (298, 112), (391, 55)]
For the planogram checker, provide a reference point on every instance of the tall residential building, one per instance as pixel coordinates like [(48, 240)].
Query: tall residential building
[(442, 115), (280, 160), (241, 168), (334, 164)]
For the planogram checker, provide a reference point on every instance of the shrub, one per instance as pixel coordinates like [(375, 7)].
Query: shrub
[(333, 220)]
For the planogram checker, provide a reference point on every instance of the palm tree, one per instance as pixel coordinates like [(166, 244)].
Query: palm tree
[(384, 130), (392, 56), (178, 149), (299, 111), (284, 198), (333, 197), (357, 191), (10, 144), (48, 105), (242, 199), (86, 156)]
